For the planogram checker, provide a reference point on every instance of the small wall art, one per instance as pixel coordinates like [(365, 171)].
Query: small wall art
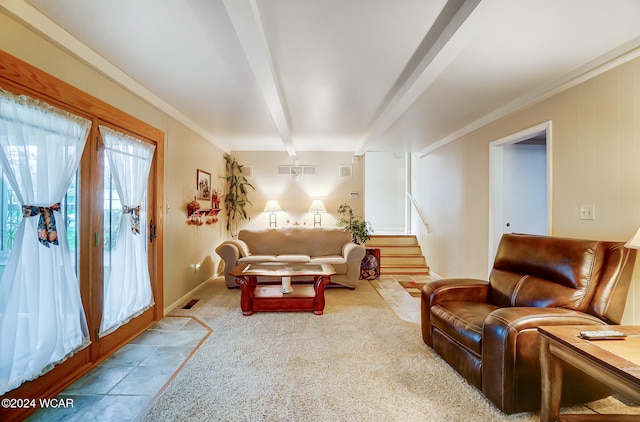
[(204, 185)]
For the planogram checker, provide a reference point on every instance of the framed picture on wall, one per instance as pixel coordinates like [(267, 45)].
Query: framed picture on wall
[(204, 185)]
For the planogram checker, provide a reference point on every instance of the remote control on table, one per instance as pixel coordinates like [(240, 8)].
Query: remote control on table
[(603, 335)]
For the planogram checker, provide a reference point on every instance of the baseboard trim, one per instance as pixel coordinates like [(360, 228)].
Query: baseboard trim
[(183, 299), (435, 275)]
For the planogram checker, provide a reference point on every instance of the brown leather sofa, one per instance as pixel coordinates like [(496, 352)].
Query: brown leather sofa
[(487, 330)]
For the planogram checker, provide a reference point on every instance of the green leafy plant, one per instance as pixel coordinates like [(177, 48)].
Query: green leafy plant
[(360, 229), (236, 198)]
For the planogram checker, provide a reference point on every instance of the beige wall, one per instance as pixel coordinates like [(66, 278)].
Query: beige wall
[(186, 245), (185, 152), (295, 196), (595, 160)]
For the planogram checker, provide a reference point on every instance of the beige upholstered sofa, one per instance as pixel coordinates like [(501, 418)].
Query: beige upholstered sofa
[(295, 244)]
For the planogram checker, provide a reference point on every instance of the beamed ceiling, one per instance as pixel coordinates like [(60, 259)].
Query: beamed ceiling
[(339, 75)]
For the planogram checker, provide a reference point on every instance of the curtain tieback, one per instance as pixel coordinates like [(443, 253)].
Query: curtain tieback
[(134, 213), (47, 232)]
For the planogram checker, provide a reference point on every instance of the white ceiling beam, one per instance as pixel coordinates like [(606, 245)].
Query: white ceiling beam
[(53, 32), (422, 69), (245, 18)]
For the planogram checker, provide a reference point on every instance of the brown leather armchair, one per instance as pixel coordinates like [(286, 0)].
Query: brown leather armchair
[(487, 330)]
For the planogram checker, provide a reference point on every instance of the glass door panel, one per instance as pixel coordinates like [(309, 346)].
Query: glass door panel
[(127, 289)]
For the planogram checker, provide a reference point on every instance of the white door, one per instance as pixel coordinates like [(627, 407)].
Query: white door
[(525, 188), (385, 191)]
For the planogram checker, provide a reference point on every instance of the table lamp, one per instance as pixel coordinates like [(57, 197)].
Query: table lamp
[(272, 207), (634, 242), (317, 207)]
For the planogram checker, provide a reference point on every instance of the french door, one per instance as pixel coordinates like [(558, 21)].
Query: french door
[(93, 210), (106, 213)]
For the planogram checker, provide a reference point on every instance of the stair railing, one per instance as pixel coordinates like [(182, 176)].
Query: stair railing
[(420, 213)]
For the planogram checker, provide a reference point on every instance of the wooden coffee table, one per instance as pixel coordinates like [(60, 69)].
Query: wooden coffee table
[(269, 296), (615, 363)]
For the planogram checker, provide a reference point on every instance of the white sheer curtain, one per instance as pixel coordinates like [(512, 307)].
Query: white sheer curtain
[(127, 293), (42, 321)]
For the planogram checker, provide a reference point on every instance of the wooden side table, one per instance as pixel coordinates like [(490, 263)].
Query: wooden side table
[(615, 363)]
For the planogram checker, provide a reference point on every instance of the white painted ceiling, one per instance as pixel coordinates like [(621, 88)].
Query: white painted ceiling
[(339, 75)]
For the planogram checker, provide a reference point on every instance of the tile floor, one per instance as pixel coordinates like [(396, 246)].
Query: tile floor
[(122, 387)]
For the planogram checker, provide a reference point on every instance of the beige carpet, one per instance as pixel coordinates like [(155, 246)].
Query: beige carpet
[(357, 362)]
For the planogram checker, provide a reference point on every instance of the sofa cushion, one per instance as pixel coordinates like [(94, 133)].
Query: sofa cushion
[(257, 258), (295, 240), (545, 271), (338, 262), (328, 259), (293, 258), (462, 322), (534, 291)]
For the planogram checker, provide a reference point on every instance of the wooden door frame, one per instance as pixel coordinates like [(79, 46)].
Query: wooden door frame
[(107, 344), (496, 197)]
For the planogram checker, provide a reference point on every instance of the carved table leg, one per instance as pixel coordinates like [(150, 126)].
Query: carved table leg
[(246, 293), (319, 285)]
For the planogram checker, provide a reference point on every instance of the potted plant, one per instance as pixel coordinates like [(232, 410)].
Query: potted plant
[(360, 229), (236, 198)]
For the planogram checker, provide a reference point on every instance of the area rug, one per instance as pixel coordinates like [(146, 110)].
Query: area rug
[(412, 287), (357, 362)]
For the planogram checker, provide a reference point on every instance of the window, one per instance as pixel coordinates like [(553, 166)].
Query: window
[(11, 214)]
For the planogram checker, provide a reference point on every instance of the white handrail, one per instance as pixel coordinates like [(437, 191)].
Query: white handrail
[(420, 213)]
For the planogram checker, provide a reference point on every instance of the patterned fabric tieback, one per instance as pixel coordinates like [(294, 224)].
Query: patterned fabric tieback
[(134, 212), (47, 232)]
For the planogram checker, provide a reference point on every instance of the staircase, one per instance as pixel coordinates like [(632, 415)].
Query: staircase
[(399, 254)]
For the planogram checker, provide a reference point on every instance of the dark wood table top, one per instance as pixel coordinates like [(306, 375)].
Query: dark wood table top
[(621, 357)]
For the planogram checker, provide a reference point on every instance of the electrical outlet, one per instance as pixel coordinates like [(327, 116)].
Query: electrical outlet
[(587, 212)]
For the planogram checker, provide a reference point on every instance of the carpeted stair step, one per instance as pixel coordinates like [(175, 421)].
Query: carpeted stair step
[(399, 254), (404, 270), (398, 250), (377, 241), (402, 260)]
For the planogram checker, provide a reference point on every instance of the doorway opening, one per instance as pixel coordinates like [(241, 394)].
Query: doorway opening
[(520, 185), (385, 187)]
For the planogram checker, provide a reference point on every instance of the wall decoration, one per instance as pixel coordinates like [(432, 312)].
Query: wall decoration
[(203, 185), (197, 216), (215, 199)]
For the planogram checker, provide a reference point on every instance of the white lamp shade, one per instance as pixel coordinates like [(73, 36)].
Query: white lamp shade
[(317, 206), (272, 206), (634, 243)]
